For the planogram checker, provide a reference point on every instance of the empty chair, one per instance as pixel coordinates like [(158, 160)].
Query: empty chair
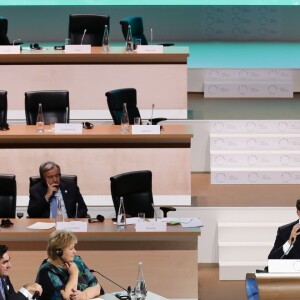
[(116, 99), (55, 103), (136, 189), (8, 195), (87, 28), (3, 32), (137, 28), (3, 108)]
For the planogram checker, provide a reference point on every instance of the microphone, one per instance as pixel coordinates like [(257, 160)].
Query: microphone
[(155, 215), (76, 212), (16, 40), (291, 245), (128, 290), (151, 36), (83, 36), (67, 113), (152, 113)]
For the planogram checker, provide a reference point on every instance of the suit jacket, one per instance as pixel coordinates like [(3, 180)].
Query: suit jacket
[(283, 234), (39, 207), (9, 290)]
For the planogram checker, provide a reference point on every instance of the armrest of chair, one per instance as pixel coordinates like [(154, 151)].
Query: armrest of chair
[(155, 121), (166, 209)]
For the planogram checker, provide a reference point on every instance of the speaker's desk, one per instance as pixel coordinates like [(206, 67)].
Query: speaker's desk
[(160, 79), (100, 153), (169, 258), (277, 285)]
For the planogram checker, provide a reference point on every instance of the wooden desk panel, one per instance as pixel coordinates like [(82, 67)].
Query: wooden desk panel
[(170, 258), (160, 79), (100, 153), (277, 286)]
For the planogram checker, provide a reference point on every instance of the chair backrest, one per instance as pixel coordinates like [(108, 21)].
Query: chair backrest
[(137, 28), (3, 31), (3, 107), (8, 196), (55, 103), (115, 101), (94, 26), (36, 179), (136, 189)]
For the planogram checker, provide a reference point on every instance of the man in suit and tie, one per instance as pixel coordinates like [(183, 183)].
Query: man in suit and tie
[(51, 190), (286, 246), (287, 243), (7, 292)]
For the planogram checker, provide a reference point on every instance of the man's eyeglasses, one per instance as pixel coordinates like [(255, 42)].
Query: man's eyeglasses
[(87, 125), (56, 176)]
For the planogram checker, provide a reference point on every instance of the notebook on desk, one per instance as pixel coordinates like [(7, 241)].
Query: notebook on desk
[(284, 265)]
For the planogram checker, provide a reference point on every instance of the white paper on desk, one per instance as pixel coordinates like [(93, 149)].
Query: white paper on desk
[(185, 222), (76, 226), (41, 225), (68, 128)]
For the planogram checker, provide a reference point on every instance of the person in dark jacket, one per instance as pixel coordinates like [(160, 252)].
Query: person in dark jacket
[(51, 191), (6, 288)]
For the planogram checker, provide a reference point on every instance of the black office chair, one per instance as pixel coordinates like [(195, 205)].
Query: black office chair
[(3, 108), (92, 25), (115, 101), (3, 32), (136, 189), (137, 28), (8, 196), (36, 179), (55, 103)]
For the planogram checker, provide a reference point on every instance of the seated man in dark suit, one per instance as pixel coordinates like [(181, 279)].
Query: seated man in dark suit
[(6, 288), (45, 195), (286, 246)]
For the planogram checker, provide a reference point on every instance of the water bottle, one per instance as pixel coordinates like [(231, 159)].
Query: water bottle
[(40, 120), (59, 215), (125, 120), (140, 287), (121, 218), (129, 40), (105, 40)]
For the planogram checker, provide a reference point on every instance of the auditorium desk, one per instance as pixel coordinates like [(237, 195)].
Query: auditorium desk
[(277, 285), (169, 258), (100, 153), (160, 79)]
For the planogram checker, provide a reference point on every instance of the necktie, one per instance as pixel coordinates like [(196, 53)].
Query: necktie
[(2, 293), (53, 207)]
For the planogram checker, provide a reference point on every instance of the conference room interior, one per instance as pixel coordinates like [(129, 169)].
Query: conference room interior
[(210, 48)]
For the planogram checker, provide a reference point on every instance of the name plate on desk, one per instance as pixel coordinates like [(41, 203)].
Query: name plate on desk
[(145, 129), (67, 128), (78, 49), (150, 226), (150, 49), (75, 226), (10, 49)]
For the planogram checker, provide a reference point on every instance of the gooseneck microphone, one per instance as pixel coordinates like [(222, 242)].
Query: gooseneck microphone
[(287, 252), (84, 32), (16, 40), (152, 114), (128, 290)]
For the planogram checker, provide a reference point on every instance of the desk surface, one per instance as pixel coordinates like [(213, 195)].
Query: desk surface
[(102, 136), (97, 56), (95, 231)]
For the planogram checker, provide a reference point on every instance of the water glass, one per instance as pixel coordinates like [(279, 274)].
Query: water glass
[(53, 120), (141, 217), (137, 121)]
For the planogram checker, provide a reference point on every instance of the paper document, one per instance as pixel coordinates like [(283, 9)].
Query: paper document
[(41, 225)]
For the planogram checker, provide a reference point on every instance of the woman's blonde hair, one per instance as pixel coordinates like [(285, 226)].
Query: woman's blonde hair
[(58, 241)]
